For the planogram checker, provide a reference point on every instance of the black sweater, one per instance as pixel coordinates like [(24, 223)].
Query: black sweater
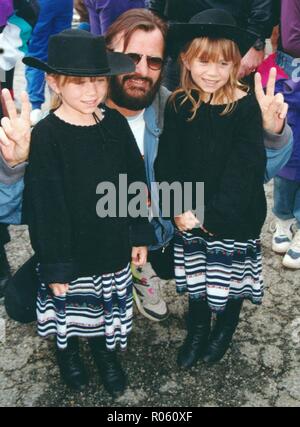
[(66, 164), (227, 154)]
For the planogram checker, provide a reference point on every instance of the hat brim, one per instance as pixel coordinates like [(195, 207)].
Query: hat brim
[(118, 63), (181, 34)]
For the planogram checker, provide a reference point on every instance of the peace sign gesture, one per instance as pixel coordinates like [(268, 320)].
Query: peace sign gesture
[(15, 130), (273, 107)]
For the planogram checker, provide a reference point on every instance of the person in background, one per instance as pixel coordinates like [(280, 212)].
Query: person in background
[(17, 19), (81, 9), (54, 16), (286, 240), (104, 12)]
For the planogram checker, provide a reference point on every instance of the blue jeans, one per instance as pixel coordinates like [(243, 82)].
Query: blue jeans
[(286, 199), (55, 16)]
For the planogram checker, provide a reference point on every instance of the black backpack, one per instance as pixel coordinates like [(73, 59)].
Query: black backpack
[(20, 294)]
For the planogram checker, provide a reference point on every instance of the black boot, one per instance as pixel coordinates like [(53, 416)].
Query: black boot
[(5, 274), (71, 367), (199, 316), (112, 375), (223, 331)]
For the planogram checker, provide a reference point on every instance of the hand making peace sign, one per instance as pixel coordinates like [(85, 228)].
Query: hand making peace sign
[(273, 107), (15, 132)]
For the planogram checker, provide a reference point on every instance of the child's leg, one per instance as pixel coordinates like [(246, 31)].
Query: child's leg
[(70, 365), (113, 377), (284, 197), (223, 331), (284, 202), (296, 211), (198, 326)]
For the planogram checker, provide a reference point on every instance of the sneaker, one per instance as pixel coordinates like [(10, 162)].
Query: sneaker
[(282, 236), (35, 116), (147, 294), (292, 257)]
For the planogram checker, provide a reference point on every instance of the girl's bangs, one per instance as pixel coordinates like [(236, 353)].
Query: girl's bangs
[(213, 50)]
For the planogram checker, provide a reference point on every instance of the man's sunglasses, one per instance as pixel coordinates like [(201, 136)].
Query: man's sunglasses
[(153, 62)]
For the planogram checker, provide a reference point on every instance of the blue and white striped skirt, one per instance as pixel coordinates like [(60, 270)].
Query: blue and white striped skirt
[(217, 270), (93, 306)]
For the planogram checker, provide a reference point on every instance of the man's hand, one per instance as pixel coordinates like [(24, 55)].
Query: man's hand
[(273, 107), (139, 255), (251, 61), (59, 289), (15, 131), (186, 221)]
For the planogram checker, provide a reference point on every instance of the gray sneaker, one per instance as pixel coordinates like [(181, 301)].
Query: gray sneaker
[(147, 294)]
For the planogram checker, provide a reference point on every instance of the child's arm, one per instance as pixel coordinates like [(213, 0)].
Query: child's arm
[(45, 209), (243, 174)]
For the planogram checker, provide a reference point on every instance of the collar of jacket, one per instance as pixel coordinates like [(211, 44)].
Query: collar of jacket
[(154, 115)]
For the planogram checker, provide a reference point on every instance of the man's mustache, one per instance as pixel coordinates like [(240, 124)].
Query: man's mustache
[(137, 76)]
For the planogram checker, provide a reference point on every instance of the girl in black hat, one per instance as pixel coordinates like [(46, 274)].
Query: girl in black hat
[(83, 259), (213, 134)]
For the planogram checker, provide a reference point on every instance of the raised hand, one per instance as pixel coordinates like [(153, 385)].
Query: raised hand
[(273, 107), (15, 131)]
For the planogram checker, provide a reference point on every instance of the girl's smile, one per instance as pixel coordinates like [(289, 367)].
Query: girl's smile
[(210, 76)]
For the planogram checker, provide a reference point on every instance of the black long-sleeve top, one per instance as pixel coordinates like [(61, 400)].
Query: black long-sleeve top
[(253, 15), (227, 154), (66, 164)]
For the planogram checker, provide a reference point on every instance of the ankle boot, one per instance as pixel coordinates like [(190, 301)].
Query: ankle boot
[(112, 375), (71, 367), (223, 331), (199, 316), (5, 274)]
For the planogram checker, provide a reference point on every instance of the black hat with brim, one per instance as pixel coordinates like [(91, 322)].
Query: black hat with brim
[(79, 53), (212, 23)]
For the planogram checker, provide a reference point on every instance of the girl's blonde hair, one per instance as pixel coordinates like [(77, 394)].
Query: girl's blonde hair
[(61, 80), (207, 50)]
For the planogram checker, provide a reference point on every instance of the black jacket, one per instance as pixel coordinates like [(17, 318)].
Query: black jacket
[(227, 154), (253, 15)]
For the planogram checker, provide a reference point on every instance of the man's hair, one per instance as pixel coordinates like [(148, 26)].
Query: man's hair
[(131, 21)]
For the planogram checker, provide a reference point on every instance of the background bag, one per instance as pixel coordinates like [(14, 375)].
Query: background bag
[(21, 293)]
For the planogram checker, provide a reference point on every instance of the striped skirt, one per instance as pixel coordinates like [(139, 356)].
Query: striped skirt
[(217, 270), (93, 306)]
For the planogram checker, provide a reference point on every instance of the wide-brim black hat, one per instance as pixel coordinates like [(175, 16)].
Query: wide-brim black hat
[(79, 53), (212, 23)]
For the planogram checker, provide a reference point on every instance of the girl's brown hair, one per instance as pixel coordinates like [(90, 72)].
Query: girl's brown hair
[(207, 50), (61, 80)]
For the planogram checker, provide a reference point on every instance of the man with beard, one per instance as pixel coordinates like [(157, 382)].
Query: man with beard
[(141, 99)]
